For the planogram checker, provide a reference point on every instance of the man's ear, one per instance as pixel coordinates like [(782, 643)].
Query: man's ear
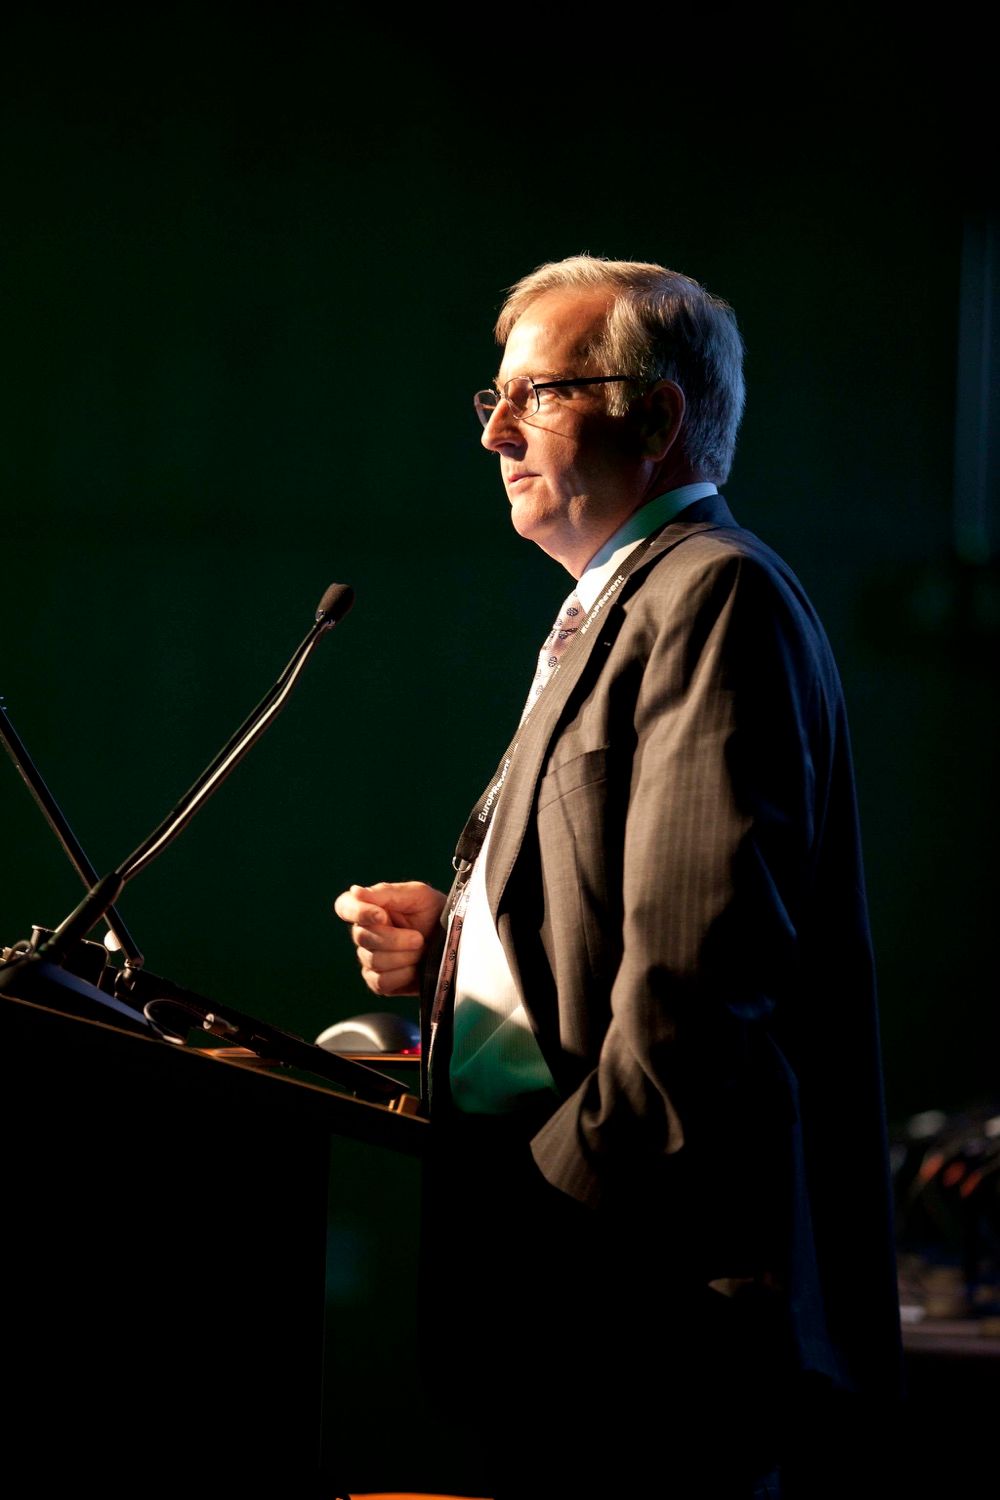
[(661, 414)]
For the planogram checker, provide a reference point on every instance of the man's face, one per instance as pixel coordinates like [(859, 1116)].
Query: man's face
[(572, 473)]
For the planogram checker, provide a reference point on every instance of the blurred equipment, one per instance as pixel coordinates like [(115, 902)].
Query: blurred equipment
[(377, 1032), (946, 1171)]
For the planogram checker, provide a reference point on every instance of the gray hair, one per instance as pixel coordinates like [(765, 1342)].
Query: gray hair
[(661, 326)]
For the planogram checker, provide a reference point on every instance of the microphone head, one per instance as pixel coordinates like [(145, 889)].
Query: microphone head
[(334, 604)]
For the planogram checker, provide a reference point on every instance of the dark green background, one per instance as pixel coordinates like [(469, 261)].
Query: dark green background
[(249, 278), (250, 270)]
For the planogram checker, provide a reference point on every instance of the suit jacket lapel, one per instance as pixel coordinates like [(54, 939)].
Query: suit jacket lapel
[(537, 733)]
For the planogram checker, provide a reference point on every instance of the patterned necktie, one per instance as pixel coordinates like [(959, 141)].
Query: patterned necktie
[(566, 625)]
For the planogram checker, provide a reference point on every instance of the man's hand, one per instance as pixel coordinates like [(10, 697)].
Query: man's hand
[(390, 924)]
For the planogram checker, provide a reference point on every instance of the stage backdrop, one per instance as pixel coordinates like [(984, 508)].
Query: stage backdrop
[(249, 283)]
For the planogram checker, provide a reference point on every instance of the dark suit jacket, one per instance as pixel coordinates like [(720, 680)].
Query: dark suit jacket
[(676, 878)]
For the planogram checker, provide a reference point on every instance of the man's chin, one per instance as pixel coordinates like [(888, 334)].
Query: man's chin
[(541, 530), (527, 521)]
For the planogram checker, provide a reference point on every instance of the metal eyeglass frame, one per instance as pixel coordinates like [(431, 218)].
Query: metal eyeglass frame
[(482, 399)]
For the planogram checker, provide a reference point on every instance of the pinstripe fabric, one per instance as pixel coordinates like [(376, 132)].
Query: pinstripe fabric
[(676, 879)]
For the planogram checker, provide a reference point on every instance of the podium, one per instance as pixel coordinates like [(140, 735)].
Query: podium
[(165, 1261)]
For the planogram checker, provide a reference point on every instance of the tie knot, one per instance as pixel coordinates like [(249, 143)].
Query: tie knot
[(569, 615), (565, 626), (570, 611)]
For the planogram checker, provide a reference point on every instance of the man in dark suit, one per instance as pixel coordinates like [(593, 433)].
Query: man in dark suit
[(661, 1196)]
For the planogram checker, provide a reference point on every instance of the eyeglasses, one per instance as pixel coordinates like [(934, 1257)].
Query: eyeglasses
[(521, 394)]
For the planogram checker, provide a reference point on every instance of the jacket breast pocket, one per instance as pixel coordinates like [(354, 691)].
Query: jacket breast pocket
[(582, 770), (580, 848)]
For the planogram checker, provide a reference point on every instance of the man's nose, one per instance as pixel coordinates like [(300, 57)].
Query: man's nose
[(501, 429)]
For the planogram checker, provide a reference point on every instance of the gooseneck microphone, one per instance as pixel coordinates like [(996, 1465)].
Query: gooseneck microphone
[(334, 605), (137, 996)]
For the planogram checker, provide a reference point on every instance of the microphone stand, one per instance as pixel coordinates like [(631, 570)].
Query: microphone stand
[(34, 968), (120, 937), (332, 607)]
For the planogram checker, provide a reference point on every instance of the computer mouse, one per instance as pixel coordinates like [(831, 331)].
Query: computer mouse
[(375, 1031)]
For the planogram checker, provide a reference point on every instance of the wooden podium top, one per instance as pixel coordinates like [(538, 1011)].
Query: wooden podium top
[(45, 1040)]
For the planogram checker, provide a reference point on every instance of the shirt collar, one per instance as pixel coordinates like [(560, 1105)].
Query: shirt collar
[(647, 518)]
